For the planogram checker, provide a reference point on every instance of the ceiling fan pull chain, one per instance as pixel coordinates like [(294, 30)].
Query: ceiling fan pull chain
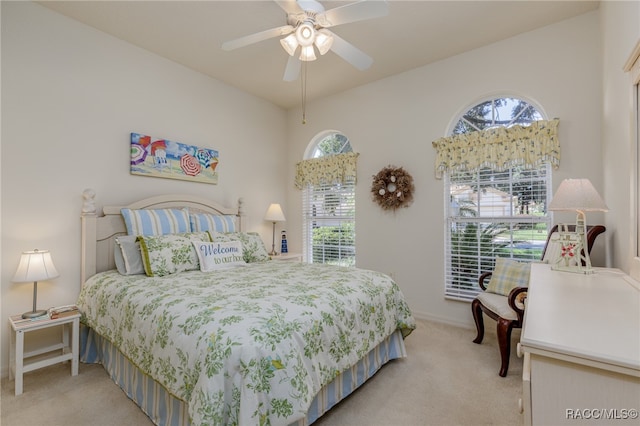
[(303, 82)]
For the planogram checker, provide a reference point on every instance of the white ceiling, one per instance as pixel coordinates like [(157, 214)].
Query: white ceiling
[(415, 33)]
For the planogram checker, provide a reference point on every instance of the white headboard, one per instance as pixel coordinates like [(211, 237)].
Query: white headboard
[(99, 232)]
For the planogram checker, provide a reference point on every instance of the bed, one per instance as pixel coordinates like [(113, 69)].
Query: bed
[(251, 343)]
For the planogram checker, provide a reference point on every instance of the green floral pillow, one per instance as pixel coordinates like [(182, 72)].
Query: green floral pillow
[(171, 253), (253, 248)]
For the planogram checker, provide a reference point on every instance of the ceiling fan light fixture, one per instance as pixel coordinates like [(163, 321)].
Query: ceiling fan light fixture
[(323, 41), (307, 53), (306, 34), (290, 44)]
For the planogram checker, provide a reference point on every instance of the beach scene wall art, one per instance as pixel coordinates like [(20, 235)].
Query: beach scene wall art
[(163, 158)]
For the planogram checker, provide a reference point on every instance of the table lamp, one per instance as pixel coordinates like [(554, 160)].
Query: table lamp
[(575, 195), (274, 214), (35, 266)]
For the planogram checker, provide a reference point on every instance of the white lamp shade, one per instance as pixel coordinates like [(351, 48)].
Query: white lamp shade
[(323, 41), (577, 195), (274, 213), (307, 53), (35, 265), (290, 44)]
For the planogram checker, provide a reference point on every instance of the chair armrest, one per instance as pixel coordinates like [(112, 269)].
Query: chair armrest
[(482, 278), (516, 300)]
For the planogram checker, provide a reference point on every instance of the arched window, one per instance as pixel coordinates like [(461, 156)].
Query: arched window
[(328, 143), (493, 211), (329, 203)]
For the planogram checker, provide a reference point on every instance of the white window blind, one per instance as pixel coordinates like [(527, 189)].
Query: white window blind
[(329, 223), (497, 169), (490, 214)]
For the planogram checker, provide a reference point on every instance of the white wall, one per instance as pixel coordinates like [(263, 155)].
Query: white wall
[(71, 95), (394, 121), (620, 22)]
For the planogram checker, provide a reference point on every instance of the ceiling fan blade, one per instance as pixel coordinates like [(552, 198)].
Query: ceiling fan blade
[(254, 38), (358, 11), (289, 6), (350, 53), (292, 71)]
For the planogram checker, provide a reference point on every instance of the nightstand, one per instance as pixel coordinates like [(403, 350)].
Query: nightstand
[(21, 362), (293, 257)]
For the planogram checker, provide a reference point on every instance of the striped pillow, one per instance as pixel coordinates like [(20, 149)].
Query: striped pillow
[(156, 222), (212, 222)]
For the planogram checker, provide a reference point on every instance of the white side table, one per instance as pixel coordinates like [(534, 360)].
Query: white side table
[(67, 350), (293, 257)]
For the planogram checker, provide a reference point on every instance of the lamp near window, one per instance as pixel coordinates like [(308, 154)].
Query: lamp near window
[(575, 195), (35, 266), (274, 214)]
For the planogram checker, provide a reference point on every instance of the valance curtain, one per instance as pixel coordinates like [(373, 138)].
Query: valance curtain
[(326, 170), (499, 148)]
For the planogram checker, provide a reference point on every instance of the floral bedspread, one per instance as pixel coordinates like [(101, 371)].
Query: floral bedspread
[(250, 345)]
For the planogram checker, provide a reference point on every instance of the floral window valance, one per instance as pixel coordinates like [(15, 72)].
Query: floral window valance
[(330, 169), (499, 148)]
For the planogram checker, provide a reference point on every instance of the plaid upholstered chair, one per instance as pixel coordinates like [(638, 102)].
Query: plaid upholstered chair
[(502, 298)]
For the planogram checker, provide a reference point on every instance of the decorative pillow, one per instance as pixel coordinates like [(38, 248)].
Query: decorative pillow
[(212, 222), (507, 275), (252, 246), (171, 253), (213, 256), (156, 221), (127, 255)]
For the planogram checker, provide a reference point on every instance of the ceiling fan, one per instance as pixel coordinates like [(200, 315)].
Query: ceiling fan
[(307, 26)]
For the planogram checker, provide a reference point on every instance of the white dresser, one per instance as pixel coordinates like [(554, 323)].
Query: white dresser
[(581, 343)]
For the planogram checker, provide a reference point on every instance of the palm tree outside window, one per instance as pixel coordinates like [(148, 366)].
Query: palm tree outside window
[(493, 211)]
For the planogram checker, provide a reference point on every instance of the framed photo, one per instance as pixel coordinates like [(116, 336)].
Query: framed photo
[(172, 160)]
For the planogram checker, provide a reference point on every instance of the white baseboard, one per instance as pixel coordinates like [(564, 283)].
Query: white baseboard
[(489, 324), (448, 321)]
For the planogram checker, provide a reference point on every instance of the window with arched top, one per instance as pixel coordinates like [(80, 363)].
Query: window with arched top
[(497, 198), (327, 177), (328, 143)]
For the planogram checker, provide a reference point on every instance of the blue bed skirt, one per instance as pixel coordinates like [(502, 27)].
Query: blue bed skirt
[(165, 409)]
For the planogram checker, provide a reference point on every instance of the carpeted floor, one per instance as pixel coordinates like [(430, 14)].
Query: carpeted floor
[(445, 380)]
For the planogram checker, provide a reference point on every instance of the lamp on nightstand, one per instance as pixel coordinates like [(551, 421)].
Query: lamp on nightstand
[(575, 195), (274, 214), (35, 266)]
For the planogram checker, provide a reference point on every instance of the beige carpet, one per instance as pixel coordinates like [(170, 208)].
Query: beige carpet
[(445, 380)]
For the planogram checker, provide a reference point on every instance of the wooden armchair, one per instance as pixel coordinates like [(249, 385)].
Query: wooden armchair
[(508, 310)]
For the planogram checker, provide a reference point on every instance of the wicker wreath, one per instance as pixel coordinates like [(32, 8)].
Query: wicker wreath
[(392, 188)]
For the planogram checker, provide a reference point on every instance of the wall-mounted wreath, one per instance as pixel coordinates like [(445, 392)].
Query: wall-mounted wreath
[(392, 188)]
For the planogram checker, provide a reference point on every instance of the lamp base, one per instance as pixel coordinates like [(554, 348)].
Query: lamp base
[(575, 269), (34, 314), (573, 254), (273, 251)]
